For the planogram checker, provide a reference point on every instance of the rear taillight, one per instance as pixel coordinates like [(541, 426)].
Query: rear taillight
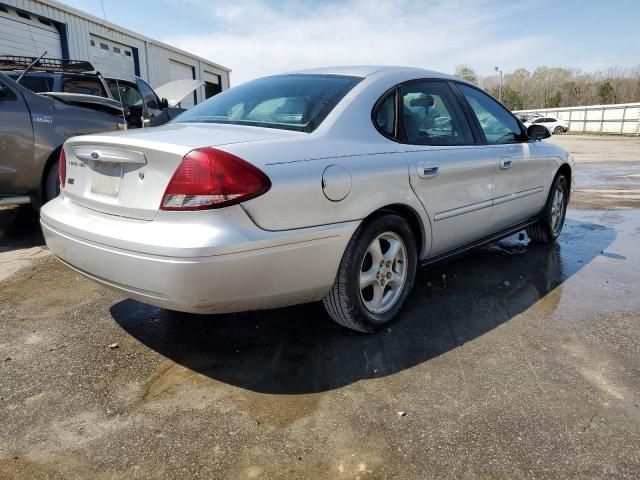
[(211, 178), (62, 168)]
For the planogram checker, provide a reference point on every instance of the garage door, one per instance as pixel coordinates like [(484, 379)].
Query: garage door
[(25, 34), (211, 84), (112, 59), (179, 71)]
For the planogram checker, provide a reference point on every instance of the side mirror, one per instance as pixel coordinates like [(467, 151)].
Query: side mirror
[(152, 104), (537, 132), (164, 104)]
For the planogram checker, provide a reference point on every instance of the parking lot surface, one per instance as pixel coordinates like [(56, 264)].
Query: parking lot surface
[(515, 361)]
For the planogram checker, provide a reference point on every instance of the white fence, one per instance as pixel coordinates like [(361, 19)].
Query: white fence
[(621, 118)]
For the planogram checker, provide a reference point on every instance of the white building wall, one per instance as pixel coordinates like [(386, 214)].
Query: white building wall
[(153, 56)]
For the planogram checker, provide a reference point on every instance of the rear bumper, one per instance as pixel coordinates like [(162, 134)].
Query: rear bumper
[(265, 270)]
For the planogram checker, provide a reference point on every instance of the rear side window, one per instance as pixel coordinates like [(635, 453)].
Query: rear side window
[(36, 84), (384, 115), (291, 102), (87, 86), (432, 115), (497, 123)]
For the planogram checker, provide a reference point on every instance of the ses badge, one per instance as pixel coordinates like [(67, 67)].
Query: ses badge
[(37, 118)]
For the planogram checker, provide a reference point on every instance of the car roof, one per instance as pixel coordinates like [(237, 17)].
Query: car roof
[(367, 70)]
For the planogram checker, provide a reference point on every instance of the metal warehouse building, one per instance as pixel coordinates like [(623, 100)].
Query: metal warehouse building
[(30, 27)]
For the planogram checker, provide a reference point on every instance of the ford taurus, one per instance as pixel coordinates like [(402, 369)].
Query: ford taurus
[(330, 184)]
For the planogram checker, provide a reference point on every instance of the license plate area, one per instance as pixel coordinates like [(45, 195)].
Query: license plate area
[(106, 178)]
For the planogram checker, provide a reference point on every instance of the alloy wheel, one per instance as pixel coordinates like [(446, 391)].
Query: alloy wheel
[(383, 272), (558, 206)]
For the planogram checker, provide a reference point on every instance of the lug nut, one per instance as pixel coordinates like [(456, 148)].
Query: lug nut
[(388, 263), (382, 282), (389, 275)]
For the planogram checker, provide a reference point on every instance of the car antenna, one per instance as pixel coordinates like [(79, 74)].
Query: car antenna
[(30, 66), (121, 104)]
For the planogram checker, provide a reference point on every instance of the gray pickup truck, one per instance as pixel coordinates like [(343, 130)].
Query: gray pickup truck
[(33, 128)]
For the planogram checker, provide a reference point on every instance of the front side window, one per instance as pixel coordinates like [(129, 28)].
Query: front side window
[(497, 123), (431, 115), (291, 102), (125, 93), (150, 97), (6, 93)]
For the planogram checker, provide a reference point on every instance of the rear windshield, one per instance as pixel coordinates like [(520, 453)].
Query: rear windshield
[(290, 102)]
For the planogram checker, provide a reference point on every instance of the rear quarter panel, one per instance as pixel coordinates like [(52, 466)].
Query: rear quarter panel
[(379, 177)]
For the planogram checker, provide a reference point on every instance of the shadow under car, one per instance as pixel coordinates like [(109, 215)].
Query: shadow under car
[(300, 350)]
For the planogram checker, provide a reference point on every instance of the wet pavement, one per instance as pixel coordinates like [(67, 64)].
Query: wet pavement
[(514, 361)]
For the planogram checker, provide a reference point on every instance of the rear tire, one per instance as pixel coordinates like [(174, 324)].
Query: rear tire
[(548, 229), (375, 276), (51, 183)]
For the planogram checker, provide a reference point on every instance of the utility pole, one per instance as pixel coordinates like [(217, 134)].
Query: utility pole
[(500, 90)]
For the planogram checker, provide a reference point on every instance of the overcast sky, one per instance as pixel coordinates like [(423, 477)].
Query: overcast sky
[(256, 38)]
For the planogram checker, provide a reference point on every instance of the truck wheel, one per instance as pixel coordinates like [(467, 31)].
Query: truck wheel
[(375, 276), (51, 183)]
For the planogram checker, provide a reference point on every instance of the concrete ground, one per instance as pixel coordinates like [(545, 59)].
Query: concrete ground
[(516, 361), (598, 184)]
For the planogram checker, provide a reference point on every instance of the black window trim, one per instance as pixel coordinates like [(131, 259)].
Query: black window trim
[(469, 110)]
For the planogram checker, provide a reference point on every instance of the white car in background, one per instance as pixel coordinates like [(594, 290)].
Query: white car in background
[(554, 125)]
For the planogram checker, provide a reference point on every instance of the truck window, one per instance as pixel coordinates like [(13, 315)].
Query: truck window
[(87, 86), (35, 84)]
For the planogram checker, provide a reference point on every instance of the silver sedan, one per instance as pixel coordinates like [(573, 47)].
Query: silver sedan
[(331, 184)]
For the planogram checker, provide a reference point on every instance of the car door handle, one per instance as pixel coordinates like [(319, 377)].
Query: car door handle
[(428, 170), (506, 163)]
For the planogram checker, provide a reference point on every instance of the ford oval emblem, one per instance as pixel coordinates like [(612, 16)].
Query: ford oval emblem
[(95, 155)]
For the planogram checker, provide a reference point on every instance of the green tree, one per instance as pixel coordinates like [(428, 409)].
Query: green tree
[(606, 93), (466, 73), (511, 98)]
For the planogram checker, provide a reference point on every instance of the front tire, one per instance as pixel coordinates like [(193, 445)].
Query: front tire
[(558, 131), (548, 229), (375, 276)]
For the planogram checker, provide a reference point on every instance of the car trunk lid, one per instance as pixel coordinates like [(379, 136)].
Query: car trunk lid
[(127, 174)]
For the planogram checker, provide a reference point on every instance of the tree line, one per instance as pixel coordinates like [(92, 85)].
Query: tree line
[(550, 87)]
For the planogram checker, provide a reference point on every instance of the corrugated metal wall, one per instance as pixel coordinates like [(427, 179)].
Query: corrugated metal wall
[(153, 56), (621, 118)]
